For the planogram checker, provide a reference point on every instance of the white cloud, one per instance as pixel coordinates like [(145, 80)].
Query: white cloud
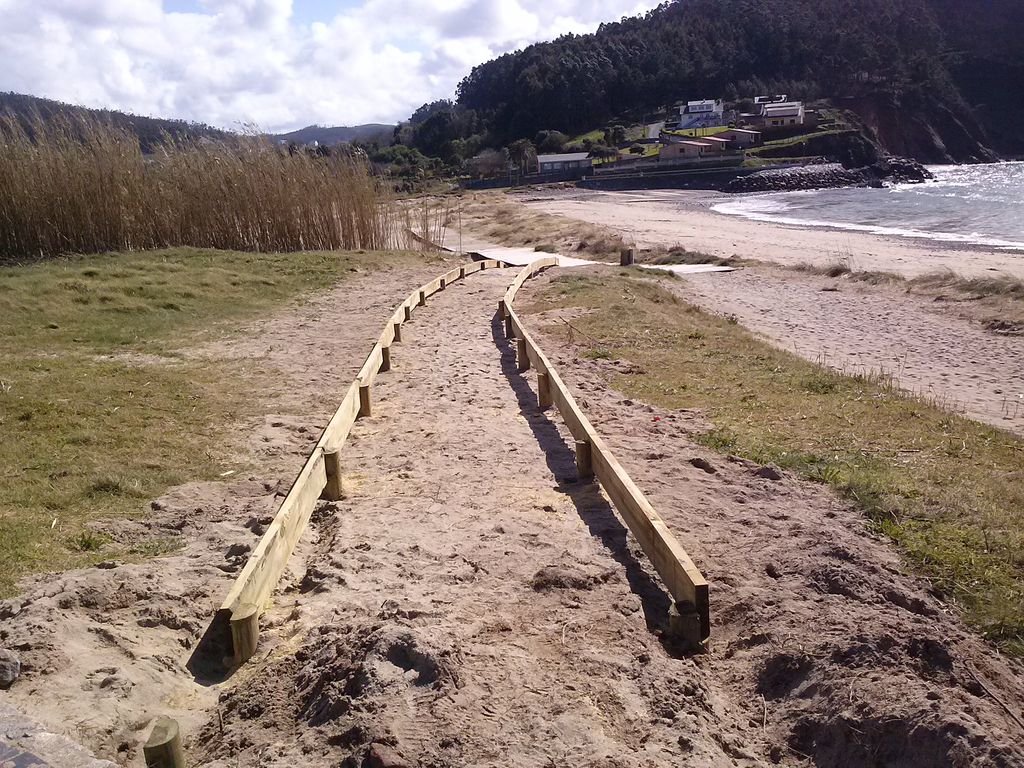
[(250, 61)]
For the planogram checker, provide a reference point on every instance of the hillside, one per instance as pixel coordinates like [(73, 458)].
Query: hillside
[(917, 72), (329, 136), (150, 130)]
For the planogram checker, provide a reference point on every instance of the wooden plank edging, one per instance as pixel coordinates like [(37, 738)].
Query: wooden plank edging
[(252, 590), (682, 578)]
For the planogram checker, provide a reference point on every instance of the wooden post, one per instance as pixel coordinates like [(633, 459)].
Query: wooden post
[(385, 359), (398, 331), (408, 313), (544, 390), (423, 299), (684, 625), (245, 632), (522, 358), (444, 283), (365, 406), (584, 465), (509, 330), (627, 257), (462, 273), (163, 748), (332, 466)]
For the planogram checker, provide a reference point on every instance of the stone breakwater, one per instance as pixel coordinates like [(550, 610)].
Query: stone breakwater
[(895, 170)]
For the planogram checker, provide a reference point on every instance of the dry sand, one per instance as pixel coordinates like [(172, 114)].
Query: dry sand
[(472, 603), (938, 349), (654, 218), (858, 328)]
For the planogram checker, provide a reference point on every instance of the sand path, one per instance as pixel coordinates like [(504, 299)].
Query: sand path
[(855, 328)]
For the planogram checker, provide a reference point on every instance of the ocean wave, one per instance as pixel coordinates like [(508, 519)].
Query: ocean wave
[(971, 205), (762, 212)]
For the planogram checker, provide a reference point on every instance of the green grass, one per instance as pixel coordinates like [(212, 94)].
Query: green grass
[(948, 490), (100, 410), (795, 140), (698, 132)]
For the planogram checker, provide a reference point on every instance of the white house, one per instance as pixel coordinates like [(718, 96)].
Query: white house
[(705, 113), (782, 113)]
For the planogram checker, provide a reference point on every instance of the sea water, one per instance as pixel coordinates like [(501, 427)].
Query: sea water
[(969, 204)]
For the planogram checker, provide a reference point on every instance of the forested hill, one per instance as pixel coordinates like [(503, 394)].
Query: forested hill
[(932, 77), (329, 136), (150, 130)]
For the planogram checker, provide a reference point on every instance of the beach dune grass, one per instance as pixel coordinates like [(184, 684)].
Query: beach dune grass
[(949, 491), (101, 405), (82, 185)]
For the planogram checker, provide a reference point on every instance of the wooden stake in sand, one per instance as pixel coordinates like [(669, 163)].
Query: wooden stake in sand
[(163, 748), (332, 466)]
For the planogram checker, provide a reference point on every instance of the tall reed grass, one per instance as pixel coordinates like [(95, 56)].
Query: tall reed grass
[(76, 185)]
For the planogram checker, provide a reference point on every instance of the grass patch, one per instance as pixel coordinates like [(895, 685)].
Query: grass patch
[(99, 410), (948, 490)]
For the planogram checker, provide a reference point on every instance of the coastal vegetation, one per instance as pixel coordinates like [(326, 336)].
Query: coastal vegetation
[(946, 489), (80, 184), (104, 402)]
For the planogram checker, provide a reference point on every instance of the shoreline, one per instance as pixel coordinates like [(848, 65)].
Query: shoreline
[(659, 218)]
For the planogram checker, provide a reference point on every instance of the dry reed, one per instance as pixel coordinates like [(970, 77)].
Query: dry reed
[(75, 185)]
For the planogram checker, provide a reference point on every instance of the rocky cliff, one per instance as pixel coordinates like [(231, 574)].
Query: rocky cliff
[(934, 133)]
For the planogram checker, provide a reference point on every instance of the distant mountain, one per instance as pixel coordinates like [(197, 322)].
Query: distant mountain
[(150, 130), (338, 134)]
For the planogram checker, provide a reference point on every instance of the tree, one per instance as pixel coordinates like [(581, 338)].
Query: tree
[(523, 155), (551, 141), (490, 162)]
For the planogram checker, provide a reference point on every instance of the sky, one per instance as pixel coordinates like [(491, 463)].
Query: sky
[(275, 64)]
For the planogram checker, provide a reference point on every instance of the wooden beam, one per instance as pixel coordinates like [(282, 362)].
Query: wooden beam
[(163, 747), (251, 592), (684, 581)]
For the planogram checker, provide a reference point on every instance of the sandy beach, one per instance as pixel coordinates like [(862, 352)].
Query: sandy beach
[(965, 353), (652, 218)]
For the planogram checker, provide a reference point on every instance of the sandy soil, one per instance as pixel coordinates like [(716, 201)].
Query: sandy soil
[(859, 328), (471, 603), (675, 217), (105, 649)]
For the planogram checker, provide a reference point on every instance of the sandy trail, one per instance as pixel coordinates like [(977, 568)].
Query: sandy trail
[(659, 218), (857, 328), (471, 603)]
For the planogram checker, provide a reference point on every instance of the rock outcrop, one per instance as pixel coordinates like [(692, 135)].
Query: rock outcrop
[(896, 170)]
